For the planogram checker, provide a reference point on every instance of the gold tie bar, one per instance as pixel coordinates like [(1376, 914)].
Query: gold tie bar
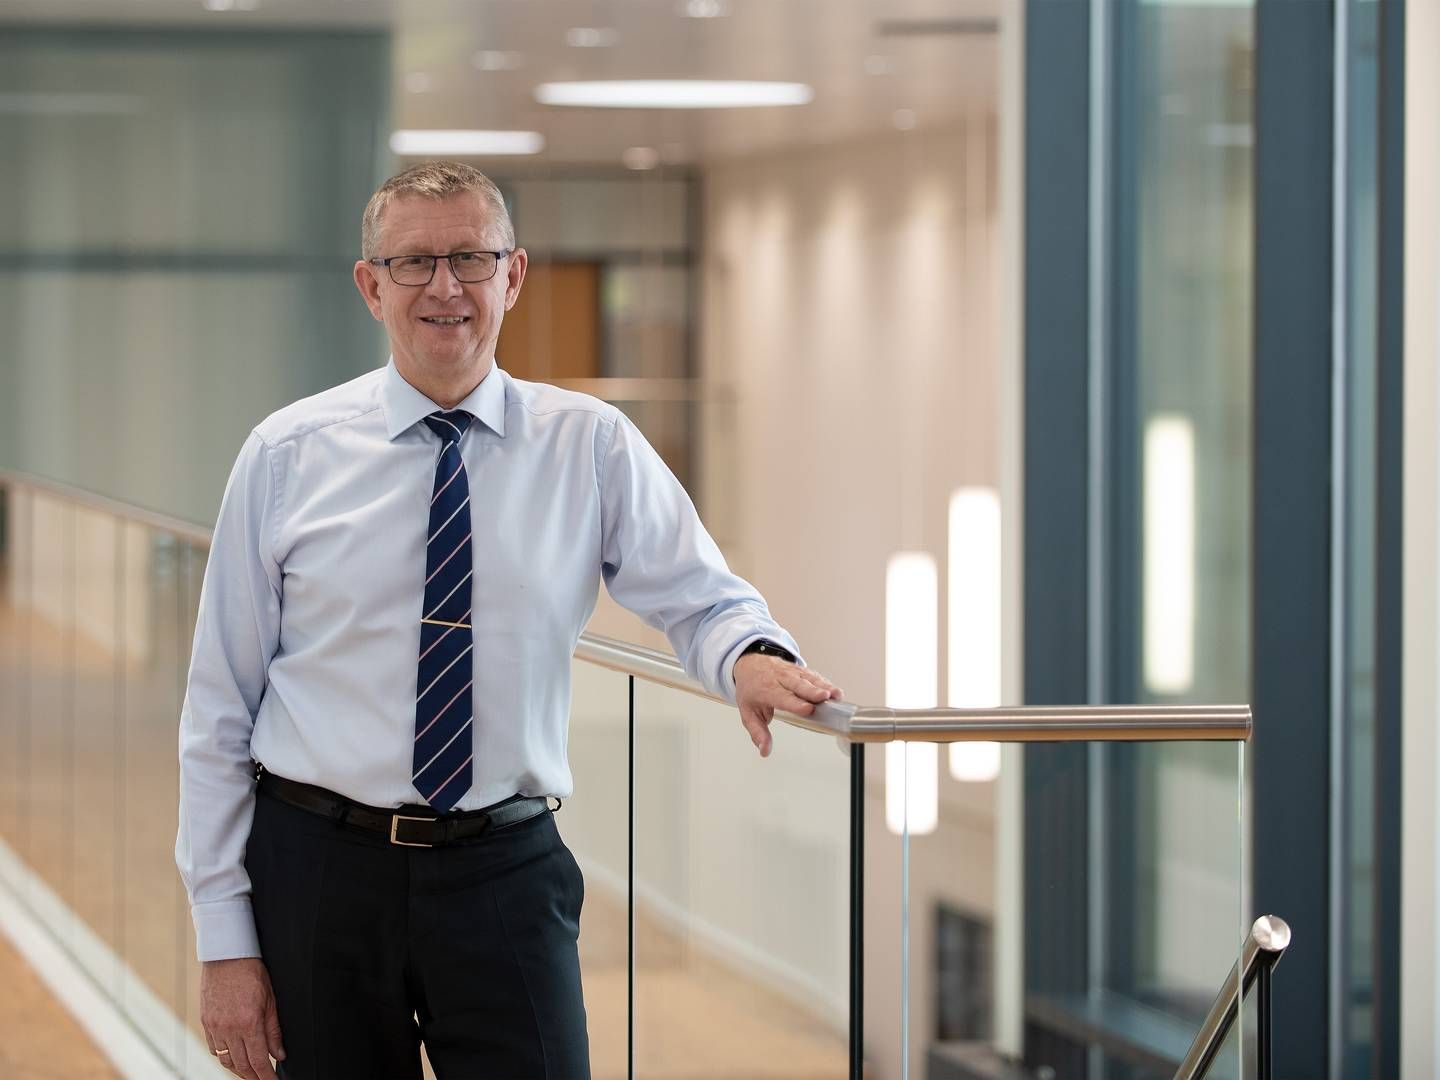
[(437, 622)]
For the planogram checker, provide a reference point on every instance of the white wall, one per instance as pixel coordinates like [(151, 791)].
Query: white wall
[(849, 321), (1420, 959), (847, 316)]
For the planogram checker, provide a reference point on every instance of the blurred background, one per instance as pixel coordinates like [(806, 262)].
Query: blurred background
[(1019, 351)]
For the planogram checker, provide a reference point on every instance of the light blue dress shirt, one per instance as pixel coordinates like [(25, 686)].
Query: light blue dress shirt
[(308, 631)]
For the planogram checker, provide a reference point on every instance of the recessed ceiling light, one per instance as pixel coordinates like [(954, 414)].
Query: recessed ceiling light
[(591, 37), (497, 60), (703, 9), (419, 82), (673, 94), (465, 143), (641, 158)]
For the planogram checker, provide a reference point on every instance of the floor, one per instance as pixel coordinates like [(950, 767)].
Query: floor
[(38, 1039)]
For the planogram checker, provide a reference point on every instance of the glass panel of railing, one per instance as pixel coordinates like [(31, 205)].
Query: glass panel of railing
[(191, 1050), (16, 549), (741, 895), (1100, 952), (50, 783), (160, 656), (91, 818), (889, 957), (595, 823)]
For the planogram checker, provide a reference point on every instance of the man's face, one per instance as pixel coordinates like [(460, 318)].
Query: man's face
[(419, 318)]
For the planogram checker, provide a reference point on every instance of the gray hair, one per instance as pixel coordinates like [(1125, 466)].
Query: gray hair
[(434, 180)]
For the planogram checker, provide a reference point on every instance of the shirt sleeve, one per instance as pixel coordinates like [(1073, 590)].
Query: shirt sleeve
[(659, 562), (237, 631)]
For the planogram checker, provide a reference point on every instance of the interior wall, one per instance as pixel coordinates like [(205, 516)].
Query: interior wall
[(1420, 874), (847, 340), (848, 348)]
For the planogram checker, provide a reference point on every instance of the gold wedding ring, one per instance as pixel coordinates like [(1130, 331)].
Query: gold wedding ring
[(219, 1052)]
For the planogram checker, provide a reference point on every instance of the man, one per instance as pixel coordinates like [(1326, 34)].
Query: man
[(399, 573)]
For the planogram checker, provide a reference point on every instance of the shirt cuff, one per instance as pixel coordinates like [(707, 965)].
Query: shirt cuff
[(225, 930), (733, 657)]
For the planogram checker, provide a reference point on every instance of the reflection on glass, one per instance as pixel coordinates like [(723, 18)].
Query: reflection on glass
[(974, 621), (1169, 554), (1159, 952), (1357, 618), (741, 895), (1166, 917)]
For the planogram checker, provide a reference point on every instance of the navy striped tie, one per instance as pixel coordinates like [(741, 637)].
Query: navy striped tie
[(444, 688)]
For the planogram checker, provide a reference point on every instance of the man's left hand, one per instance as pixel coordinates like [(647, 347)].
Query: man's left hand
[(766, 683)]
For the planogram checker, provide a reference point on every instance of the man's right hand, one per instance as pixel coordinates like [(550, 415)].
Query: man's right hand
[(237, 1011)]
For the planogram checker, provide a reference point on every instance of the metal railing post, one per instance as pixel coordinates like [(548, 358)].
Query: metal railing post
[(1266, 943), (857, 911)]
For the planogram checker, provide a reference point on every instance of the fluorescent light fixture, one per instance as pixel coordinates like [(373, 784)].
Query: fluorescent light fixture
[(466, 143), (1169, 554), (973, 667), (703, 9), (912, 795), (591, 37), (641, 158), (673, 94), (975, 762), (497, 60), (911, 682), (231, 5)]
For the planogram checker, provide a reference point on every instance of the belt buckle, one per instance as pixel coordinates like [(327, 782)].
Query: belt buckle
[(395, 820)]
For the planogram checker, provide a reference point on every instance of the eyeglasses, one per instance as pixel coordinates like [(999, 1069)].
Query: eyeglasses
[(471, 267)]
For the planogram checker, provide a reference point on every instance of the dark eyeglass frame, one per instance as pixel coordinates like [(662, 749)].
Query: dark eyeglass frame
[(435, 261)]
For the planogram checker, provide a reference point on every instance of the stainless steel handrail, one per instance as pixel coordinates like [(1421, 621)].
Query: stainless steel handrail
[(853, 723), (1266, 943), (1028, 723)]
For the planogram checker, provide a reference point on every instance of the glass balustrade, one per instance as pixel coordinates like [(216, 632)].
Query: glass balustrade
[(717, 929), (741, 895), (595, 823)]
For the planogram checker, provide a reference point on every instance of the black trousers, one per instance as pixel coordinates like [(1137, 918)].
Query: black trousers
[(374, 948)]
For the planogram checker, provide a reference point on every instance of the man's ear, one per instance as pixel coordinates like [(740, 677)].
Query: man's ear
[(515, 276), (369, 286)]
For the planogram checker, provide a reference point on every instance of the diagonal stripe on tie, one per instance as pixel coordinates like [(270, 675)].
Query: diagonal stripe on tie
[(443, 755)]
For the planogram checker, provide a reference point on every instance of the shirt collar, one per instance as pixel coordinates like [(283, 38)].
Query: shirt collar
[(406, 406)]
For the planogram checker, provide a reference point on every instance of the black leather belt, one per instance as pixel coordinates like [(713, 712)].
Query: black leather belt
[(406, 830)]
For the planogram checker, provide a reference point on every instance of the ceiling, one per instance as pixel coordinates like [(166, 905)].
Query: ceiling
[(874, 64)]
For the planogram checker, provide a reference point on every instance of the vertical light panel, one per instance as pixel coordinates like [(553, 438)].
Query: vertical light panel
[(974, 622), (1169, 529), (912, 645)]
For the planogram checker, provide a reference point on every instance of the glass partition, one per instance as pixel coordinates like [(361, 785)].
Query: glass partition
[(741, 895)]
